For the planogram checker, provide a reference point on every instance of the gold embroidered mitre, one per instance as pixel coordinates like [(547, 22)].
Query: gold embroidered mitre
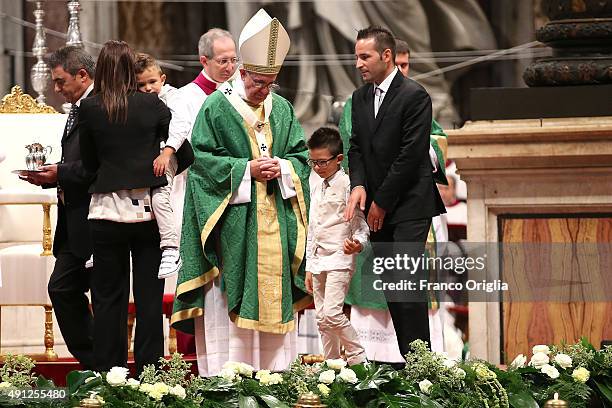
[(263, 44)]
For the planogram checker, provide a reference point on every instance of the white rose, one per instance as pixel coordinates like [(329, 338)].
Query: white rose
[(5, 384), (261, 373), (550, 371), (275, 378), (264, 379), (541, 348), (228, 374), (158, 390), (459, 372), (232, 365), (563, 360), (245, 370), (132, 383), (449, 363), (146, 387), (425, 386), (581, 374), (327, 376), (178, 391), (156, 395), (336, 364), (117, 376), (323, 389), (348, 375), (538, 360), (518, 362)]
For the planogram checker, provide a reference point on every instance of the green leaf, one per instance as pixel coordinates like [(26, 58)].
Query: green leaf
[(605, 390), (427, 402), (374, 379), (342, 402), (522, 399), (6, 401), (360, 370), (247, 401), (75, 379), (42, 382), (586, 344), (399, 401), (273, 402)]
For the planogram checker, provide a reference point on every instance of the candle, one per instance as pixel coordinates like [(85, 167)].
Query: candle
[(556, 402)]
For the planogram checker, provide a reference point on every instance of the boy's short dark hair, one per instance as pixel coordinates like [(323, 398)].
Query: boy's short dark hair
[(145, 61), (326, 138)]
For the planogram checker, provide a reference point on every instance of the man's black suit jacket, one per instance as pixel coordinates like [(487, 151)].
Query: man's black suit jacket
[(389, 154), (73, 179)]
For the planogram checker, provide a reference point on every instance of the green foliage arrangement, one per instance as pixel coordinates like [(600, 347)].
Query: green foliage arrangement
[(579, 373)]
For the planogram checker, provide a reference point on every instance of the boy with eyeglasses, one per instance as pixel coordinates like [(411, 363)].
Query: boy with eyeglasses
[(331, 246)]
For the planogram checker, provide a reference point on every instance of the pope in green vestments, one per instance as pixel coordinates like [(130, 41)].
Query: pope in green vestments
[(246, 201)]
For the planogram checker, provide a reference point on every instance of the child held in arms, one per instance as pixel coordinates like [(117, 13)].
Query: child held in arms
[(331, 246), (152, 79)]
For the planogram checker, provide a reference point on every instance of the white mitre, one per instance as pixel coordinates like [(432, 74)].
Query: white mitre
[(263, 44)]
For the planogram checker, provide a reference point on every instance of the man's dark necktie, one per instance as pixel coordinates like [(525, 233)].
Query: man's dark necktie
[(72, 116)]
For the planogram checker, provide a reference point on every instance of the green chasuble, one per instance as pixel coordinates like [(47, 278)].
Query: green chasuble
[(257, 248), (363, 279)]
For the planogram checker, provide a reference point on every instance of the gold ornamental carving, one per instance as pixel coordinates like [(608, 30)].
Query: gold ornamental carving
[(49, 337), (19, 102)]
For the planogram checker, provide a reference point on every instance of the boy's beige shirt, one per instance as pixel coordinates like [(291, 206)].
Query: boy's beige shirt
[(327, 229)]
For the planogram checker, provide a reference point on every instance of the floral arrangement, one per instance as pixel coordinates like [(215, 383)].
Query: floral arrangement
[(453, 384), (578, 373)]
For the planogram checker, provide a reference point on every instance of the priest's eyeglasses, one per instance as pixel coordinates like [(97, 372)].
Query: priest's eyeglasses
[(321, 163), (261, 84), (225, 61)]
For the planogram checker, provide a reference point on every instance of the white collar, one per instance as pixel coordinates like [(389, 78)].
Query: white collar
[(386, 83), (85, 94), (210, 79), (238, 85), (334, 176)]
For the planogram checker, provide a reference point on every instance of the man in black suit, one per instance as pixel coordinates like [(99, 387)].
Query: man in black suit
[(72, 71), (391, 172)]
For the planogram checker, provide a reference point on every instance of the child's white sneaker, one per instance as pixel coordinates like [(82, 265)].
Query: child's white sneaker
[(170, 263), (89, 263)]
